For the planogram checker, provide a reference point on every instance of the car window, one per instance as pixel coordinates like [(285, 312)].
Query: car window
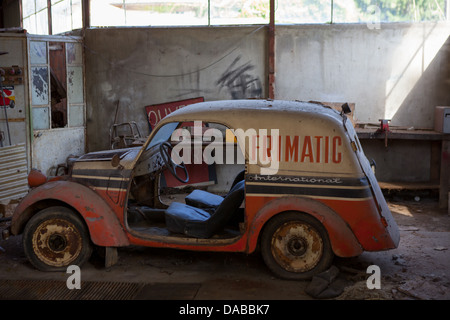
[(163, 134)]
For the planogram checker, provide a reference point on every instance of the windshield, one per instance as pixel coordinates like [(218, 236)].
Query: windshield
[(163, 134)]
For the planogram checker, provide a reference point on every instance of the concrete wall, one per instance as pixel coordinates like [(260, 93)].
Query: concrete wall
[(136, 67), (398, 72)]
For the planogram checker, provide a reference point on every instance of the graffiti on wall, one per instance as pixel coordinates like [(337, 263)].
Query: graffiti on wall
[(239, 80)]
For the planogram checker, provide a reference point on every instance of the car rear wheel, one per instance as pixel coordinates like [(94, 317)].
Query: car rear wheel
[(55, 238), (295, 246)]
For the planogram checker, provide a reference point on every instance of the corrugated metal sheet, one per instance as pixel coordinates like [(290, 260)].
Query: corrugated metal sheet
[(13, 172), (95, 290), (57, 290)]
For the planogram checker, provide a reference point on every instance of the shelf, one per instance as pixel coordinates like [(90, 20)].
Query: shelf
[(402, 134), (409, 185)]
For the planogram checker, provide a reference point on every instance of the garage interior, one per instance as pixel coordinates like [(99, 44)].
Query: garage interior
[(78, 74)]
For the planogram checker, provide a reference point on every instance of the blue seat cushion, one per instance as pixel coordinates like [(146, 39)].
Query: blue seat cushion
[(179, 214), (196, 222), (210, 201), (203, 199)]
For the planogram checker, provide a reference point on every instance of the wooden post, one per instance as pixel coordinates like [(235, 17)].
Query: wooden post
[(271, 78), (85, 7), (111, 256), (49, 15)]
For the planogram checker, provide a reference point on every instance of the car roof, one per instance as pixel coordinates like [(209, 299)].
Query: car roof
[(238, 112)]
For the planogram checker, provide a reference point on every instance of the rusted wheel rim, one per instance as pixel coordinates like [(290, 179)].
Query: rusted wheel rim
[(297, 247), (57, 242)]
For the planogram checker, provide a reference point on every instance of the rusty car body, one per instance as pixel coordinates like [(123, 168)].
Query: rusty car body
[(322, 200)]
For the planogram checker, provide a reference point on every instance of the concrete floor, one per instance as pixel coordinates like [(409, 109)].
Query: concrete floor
[(417, 269)]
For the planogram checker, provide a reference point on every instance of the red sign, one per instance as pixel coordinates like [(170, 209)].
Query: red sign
[(198, 174), (156, 112), (8, 96)]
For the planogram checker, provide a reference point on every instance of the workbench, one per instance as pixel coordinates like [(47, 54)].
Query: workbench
[(439, 160)]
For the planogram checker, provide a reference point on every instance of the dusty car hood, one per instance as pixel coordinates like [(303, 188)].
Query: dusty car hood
[(105, 155), (108, 159)]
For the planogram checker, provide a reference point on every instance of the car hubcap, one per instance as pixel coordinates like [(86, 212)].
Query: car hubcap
[(297, 247), (57, 242)]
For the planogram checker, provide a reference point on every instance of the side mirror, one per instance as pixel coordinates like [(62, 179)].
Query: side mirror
[(346, 108), (115, 161)]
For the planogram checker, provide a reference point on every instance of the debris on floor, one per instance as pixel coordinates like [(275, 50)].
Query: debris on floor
[(416, 270), (326, 285), (359, 291), (422, 288)]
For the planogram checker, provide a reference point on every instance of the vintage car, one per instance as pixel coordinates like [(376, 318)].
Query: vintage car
[(296, 185)]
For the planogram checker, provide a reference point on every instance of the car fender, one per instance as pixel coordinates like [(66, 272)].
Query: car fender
[(343, 241), (103, 224)]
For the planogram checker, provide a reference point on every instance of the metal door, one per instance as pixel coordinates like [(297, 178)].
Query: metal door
[(57, 103)]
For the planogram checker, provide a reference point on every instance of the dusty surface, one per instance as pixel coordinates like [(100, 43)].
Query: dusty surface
[(417, 269)]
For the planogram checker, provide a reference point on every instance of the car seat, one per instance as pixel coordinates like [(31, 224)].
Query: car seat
[(199, 223), (210, 201)]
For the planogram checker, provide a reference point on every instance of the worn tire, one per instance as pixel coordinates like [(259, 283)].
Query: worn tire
[(55, 238), (296, 246)]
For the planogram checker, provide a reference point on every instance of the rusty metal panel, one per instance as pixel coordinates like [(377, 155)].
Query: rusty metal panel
[(39, 85), (13, 172), (52, 147)]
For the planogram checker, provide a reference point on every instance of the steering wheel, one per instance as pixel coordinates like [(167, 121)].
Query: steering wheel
[(165, 150)]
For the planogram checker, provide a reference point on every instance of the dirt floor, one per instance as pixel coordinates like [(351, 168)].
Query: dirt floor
[(418, 269)]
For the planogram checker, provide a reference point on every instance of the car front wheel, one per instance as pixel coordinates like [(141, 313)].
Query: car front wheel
[(55, 238), (295, 246)]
